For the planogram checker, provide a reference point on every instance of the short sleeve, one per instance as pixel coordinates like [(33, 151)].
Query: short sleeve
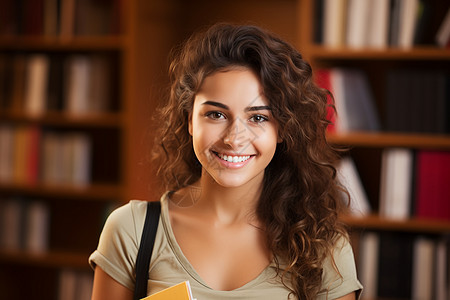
[(119, 241), (334, 284)]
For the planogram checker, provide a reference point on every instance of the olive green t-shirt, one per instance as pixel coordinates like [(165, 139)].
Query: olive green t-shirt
[(118, 247)]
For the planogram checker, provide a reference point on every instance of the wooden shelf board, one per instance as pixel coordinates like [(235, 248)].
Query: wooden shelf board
[(108, 120), (318, 52), (75, 43), (46, 259), (94, 191), (422, 141), (414, 225)]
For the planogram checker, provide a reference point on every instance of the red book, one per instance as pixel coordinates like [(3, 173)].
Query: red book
[(433, 185), (33, 17), (32, 172), (323, 79)]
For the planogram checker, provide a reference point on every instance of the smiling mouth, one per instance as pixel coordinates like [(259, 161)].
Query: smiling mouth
[(232, 158)]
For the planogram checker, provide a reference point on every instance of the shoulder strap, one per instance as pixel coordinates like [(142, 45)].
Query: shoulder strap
[(146, 248)]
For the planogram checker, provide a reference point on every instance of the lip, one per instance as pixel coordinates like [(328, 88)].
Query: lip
[(233, 164)]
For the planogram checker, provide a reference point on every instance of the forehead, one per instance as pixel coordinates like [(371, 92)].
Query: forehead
[(234, 87)]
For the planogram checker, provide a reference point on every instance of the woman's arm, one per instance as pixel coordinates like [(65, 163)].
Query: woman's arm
[(106, 288)]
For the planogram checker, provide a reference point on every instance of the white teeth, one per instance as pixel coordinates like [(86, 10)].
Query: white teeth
[(233, 159)]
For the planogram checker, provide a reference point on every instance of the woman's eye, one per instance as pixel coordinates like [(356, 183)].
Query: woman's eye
[(215, 115), (258, 118)]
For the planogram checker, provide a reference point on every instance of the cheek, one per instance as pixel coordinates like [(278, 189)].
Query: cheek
[(202, 139), (267, 143)]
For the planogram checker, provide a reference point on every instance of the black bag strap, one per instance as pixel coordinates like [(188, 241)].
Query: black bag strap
[(146, 249)]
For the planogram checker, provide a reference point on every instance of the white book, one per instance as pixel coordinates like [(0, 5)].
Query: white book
[(358, 13), (360, 109), (396, 183), (67, 285), (378, 24), (67, 161), (36, 84), (441, 285), (67, 18), (80, 159), (50, 11), (368, 272), (84, 283), (52, 161), (11, 222), (78, 86), (100, 87), (409, 10), (348, 176), (37, 227), (337, 80), (394, 23), (443, 33), (334, 20), (422, 277)]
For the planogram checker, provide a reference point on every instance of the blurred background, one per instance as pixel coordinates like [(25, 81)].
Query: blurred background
[(80, 81)]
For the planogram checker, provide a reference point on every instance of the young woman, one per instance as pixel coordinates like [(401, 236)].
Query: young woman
[(252, 205)]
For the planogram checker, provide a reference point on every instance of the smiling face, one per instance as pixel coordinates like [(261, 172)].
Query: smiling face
[(234, 133)]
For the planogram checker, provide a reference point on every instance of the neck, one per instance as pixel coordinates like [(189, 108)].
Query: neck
[(228, 204)]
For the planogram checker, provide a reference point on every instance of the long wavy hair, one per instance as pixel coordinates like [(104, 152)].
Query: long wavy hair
[(301, 199)]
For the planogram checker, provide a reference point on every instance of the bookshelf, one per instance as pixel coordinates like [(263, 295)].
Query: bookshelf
[(377, 63), (132, 40), (374, 231), (140, 37), (74, 210)]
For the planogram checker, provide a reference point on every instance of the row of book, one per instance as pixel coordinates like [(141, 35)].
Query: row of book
[(30, 155), (395, 265), (75, 285), (417, 101), (381, 23), (412, 184), (353, 100), (59, 17), (36, 83), (24, 225), (415, 183)]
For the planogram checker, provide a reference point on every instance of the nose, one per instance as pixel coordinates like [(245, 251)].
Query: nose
[(236, 135)]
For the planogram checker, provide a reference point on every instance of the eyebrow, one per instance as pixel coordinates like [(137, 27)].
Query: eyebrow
[(250, 108)]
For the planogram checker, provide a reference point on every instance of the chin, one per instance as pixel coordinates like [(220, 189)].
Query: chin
[(233, 180)]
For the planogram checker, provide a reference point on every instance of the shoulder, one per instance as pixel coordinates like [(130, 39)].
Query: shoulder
[(339, 271), (342, 258), (126, 220), (119, 242)]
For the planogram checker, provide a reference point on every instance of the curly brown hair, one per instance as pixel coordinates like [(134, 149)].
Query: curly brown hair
[(300, 201)]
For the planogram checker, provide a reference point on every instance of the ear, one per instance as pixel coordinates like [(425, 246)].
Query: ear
[(190, 123), (279, 138)]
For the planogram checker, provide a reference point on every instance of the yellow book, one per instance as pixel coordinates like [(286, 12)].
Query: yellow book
[(181, 291)]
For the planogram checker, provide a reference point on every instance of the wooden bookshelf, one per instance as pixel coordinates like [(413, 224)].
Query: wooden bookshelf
[(48, 260), (387, 139), (426, 53), (76, 212), (413, 225), (96, 120), (369, 146), (70, 44), (102, 192)]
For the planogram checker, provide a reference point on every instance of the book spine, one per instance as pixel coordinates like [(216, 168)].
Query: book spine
[(37, 227)]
